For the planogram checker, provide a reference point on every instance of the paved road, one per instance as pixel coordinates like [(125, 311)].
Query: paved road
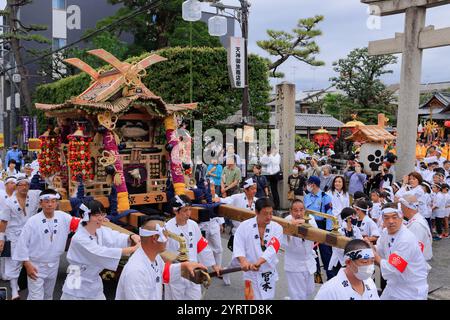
[(439, 277)]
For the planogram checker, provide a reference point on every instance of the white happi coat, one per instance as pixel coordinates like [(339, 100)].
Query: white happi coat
[(425, 209), (338, 253), (438, 202), (247, 244), (375, 211), (299, 264), (368, 227), (420, 228), (142, 279), (88, 256), (12, 213), (3, 197), (35, 243), (42, 242), (339, 288), (238, 200), (403, 266), (199, 251)]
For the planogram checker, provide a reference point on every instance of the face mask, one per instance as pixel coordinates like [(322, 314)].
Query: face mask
[(295, 171), (309, 188), (365, 272)]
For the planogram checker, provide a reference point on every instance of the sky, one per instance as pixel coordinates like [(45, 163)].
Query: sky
[(344, 29)]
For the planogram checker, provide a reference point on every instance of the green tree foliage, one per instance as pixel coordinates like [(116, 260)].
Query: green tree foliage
[(339, 106), (302, 143), (299, 44), (359, 77), (158, 28), (16, 32), (171, 80)]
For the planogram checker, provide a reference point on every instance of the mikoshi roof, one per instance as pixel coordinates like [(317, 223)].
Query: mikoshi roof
[(116, 90), (370, 133)]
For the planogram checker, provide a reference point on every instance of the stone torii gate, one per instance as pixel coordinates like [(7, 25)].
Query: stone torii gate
[(411, 43)]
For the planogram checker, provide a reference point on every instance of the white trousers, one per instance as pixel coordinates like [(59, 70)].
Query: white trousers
[(212, 230), (12, 267), (42, 288), (183, 289), (300, 285), (66, 296)]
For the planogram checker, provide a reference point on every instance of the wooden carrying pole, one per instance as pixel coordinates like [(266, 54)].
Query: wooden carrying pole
[(304, 231)]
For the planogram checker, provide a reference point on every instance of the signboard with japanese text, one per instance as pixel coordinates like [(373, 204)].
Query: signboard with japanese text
[(236, 62)]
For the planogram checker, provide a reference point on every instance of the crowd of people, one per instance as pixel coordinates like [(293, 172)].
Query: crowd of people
[(391, 225)]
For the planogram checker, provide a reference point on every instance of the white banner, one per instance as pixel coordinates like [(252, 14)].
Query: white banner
[(236, 62)]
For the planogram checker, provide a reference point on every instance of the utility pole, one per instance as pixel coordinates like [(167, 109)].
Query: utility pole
[(244, 27), (12, 97)]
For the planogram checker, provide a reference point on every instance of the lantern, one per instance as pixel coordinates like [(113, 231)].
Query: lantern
[(447, 124), (217, 26), (192, 10)]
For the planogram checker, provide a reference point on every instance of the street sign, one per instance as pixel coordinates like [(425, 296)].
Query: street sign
[(16, 78), (236, 62)]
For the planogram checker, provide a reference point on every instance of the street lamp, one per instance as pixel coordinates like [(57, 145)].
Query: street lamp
[(192, 10), (217, 26)]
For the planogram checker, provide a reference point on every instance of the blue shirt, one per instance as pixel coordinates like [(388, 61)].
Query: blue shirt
[(320, 202), (217, 172), (14, 154)]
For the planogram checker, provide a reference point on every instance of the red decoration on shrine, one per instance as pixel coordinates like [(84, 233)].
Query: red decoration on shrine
[(323, 138), (447, 124), (79, 156), (49, 156)]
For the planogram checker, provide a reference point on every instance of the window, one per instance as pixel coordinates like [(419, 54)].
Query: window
[(59, 4), (58, 43)]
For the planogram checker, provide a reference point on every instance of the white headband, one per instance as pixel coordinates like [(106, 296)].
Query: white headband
[(391, 210), (159, 231), (10, 179), (86, 212), (360, 254), (360, 208), (20, 179), (50, 196), (410, 205), (248, 183)]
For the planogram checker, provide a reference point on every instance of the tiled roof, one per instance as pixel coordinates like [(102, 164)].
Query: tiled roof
[(305, 120)]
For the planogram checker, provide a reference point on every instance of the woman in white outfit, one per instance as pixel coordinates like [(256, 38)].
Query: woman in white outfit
[(93, 249), (340, 198)]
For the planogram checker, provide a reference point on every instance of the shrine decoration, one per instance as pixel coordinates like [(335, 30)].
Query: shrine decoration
[(49, 156), (79, 157), (323, 138)]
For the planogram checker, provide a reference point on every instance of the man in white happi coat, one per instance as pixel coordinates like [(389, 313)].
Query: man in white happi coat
[(245, 200), (145, 272), (197, 245), (300, 257), (401, 261), (417, 224), (368, 228), (18, 208), (353, 282), (256, 244), (7, 192), (41, 243), (93, 249)]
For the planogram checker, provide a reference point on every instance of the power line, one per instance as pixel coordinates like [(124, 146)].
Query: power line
[(150, 6)]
